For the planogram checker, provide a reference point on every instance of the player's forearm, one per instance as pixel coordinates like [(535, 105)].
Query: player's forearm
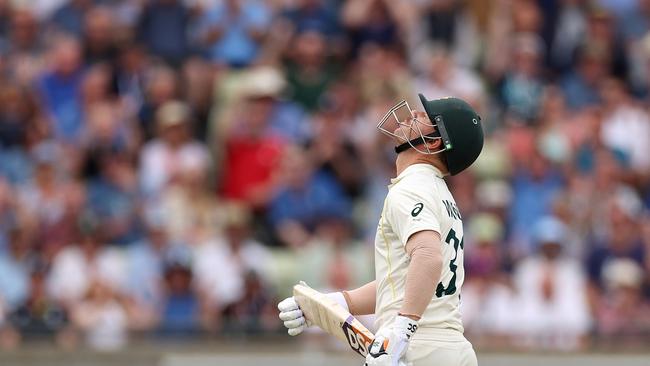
[(361, 301), (423, 273)]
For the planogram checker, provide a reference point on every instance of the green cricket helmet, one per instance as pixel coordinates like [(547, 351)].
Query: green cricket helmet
[(452, 120)]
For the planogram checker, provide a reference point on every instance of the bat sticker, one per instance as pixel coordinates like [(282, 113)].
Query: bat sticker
[(357, 340)]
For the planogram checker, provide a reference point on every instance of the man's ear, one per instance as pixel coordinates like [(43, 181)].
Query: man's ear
[(434, 145)]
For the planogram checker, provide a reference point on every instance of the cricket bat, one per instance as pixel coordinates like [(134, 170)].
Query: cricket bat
[(331, 317)]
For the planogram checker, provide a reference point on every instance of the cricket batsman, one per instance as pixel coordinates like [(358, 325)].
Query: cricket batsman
[(419, 242)]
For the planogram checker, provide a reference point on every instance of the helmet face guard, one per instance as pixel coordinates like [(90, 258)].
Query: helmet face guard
[(451, 120), (412, 132)]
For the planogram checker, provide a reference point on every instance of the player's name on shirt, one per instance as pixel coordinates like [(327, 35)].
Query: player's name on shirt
[(452, 210)]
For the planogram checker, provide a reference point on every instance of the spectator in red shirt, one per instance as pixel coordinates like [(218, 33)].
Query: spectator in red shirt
[(252, 152)]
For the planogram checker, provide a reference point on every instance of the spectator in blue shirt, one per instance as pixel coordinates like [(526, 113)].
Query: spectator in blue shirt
[(622, 239), (70, 17), (580, 86), (59, 89), (233, 30), (307, 198), (14, 270), (534, 189), (315, 16), (113, 197), (181, 312), (163, 29)]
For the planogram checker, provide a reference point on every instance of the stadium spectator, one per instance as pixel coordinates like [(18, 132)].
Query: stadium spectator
[(75, 267), (314, 16), (625, 126), (309, 73), (623, 313), (251, 153), (522, 86), (164, 29), (112, 197), (59, 88), (233, 31), (102, 317), (620, 237), (489, 300), (39, 315), (580, 84), (14, 270), (191, 209), (183, 311), (160, 85), (162, 158), (70, 17), (534, 188), (547, 318), (305, 198), (99, 35), (445, 77)]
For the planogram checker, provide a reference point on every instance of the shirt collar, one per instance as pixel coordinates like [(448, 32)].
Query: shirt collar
[(416, 168)]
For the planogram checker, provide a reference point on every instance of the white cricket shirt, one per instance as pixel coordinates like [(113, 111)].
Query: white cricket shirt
[(418, 199)]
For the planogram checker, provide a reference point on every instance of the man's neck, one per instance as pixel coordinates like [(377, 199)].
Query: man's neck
[(410, 157)]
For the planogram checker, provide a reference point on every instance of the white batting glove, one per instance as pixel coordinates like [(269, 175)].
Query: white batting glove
[(390, 343), (293, 318)]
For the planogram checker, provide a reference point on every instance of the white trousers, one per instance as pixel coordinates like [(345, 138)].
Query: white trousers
[(439, 350)]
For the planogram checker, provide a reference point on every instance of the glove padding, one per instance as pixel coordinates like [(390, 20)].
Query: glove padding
[(292, 316), (390, 343)]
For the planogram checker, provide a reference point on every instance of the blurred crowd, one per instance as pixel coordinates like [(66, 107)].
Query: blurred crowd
[(169, 168)]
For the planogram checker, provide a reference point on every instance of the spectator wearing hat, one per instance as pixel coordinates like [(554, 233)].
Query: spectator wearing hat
[(192, 210), (263, 89), (161, 158), (623, 313), (255, 137)]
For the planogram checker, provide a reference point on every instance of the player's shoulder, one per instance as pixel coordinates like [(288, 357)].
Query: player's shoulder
[(407, 192)]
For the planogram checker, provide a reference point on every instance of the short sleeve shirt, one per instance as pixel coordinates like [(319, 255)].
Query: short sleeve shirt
[(418, 200)]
